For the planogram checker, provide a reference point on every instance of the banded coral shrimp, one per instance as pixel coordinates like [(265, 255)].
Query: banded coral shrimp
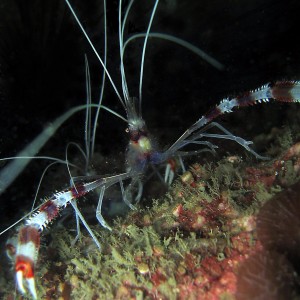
[(31, 284), (165, 97)]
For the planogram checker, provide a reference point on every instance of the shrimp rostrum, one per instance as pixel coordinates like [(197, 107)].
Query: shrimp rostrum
[(142, 152)]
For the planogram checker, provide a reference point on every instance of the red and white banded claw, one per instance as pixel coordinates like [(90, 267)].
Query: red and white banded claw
[(25, 259)]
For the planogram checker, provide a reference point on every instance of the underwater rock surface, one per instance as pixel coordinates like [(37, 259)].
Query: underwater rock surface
[(220, 233)]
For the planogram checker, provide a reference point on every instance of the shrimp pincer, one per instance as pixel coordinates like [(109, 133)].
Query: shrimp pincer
[(23, 249)]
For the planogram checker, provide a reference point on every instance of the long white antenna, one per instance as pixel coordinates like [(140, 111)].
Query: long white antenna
[(143, 57), (96, 53), (164, 36), (121, 42), (103, 81)]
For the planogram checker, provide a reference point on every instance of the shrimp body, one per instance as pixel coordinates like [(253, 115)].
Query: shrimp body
[(141, 150)]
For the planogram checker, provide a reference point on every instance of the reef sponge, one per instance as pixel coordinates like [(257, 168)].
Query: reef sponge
[(266, 275), (278, 224), (273, 273)]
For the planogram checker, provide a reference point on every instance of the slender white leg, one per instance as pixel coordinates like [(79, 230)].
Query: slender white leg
[(98, 210)]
